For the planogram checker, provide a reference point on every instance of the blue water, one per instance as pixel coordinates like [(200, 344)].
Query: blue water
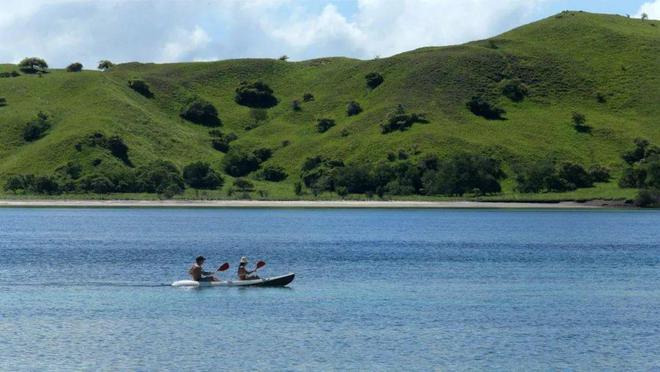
[(375, 290)]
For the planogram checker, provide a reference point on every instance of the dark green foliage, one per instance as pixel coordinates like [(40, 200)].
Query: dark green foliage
[(644, 166), (238, 162), (400, 120), (202, 112), (353, 108), (283, 58), (648, 198), (319, 169), (243, 185), (257, 94), (575, 175), (9, 74), (33, 65), (322, 125), (263, 154), (3, 101), (272, 173), (15, 183), (46, 185), (295, 105), (638, 153), (142, 87), (96, 183), (461, 174), (118, 149), (580, 123), (221, 141), (74, 67), (33, 184), (159, 176), (308, 97), (105, 65), (514, 89), (601, 98), (71, 170), (345, 132), (546, 176), (36, 128), (200, 175), (485, 109), (374, 79), (598, 173), (297, 188)]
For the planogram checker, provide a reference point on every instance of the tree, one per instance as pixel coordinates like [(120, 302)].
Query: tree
[(33, 65), (374, 79), (272, 173), (141, 87), (400, 120), (515, 90), (308, 97), (284, 58), (200, 175), (221, 141), (105, 65), (202, 112), (322, 125), (74, 67), (645, 16), (243, 185), (485, 109), (118, 149), (579, 122), (257, 95), (238, 163), (3, 101), (36, 127), (353, 108), (295, 105), (161, 177)]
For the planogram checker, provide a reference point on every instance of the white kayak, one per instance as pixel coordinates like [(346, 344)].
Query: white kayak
[(274, 281)]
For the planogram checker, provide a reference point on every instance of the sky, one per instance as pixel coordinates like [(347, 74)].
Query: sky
[(66, 31)]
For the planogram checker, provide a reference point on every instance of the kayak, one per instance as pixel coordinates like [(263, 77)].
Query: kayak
[(274, 281)]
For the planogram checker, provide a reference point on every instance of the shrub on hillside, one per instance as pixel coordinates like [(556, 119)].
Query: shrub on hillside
[(238, 162), (295, 105), (9, 74), (200, 175), (598, 173), (3, 101), (74, 67), (263, 154), (485, 109), (514, 89), (221, 141), (322, 125), (141, 87), (461, 174), (36, 128), (97, 184), (272, 173), (401, 120), (105, 65), (580, 122), (33, 65), (545, 176), (257, 95), (638, 153), (243, 185), (118, 149), (161, 177), (353, 108), (202, 112), (374, 79), (308, 97), (576, 176)]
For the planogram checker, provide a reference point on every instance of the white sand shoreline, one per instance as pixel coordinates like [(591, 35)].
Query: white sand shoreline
[(298, 204)]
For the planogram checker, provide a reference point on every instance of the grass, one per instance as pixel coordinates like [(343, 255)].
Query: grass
[(566, 60)]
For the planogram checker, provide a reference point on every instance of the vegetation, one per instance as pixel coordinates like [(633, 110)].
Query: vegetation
[(562, 69), (74, 67), (3, 101), (142, 87), (105, 65), (200, 175), (9, 74), (580, 123), (37, 127), (485, 109), (33, 65), (272, 173), (202, 112), (353, 108), (322, 125), (256, 95), (374, 79)]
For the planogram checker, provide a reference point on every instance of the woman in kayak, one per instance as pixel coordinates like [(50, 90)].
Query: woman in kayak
[(243, 272), (198, 274)]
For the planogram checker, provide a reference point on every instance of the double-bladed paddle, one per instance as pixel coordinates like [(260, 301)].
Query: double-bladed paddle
[(224, 266)]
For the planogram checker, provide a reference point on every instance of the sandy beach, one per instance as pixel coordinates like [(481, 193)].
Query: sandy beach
[(302, 204)]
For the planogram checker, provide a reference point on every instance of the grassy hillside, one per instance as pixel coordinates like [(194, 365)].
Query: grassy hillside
[(567, 61)]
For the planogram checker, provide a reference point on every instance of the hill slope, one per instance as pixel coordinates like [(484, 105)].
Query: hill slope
[(567, 61)]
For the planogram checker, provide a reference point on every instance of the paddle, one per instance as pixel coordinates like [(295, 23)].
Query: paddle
[(260, 264), (224, 266)]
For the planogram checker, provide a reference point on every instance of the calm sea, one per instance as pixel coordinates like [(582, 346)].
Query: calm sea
[(375, 290)]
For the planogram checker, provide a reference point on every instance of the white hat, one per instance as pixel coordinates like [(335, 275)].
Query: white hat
[(244, 260)]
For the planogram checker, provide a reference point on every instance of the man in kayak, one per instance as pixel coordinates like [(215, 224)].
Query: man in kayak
[(243, 272), (198, 274)]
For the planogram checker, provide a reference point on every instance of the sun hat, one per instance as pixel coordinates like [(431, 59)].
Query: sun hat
[(244, 260)]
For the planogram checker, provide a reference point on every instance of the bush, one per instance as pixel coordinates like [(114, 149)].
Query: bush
[(74, 67), (159, 176), (263, 154), (202, 112), (9, 74), (97, 184), (638, 153), (272, 173), (648, 198), (308, 97), (575, 175), (36, 128), (142, 87), (545, 176), (598, 173), (461, 174), (481, 107), (374, 79), (238, 163), (105, 65), (118, 149), (514, 90), (257, 95), (33, 65), (243, 185), (322, 125), (70, 170), (353, 108), (46, 185), (283, 58), (221, 141), (3, 101), (295, 105), (400, 120), (579, 122), (200, 175), (317, 172), (19, 182)]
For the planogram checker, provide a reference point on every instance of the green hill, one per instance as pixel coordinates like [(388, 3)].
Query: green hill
[(605, 67)]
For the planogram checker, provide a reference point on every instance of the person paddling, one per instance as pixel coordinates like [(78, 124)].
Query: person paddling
[(198, 274), (243, 272)]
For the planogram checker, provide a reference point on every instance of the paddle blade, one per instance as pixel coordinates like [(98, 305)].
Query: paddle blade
[(260, 264), (223, 267)]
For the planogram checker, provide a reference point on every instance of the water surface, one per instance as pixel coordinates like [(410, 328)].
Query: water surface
[(375, 289)]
